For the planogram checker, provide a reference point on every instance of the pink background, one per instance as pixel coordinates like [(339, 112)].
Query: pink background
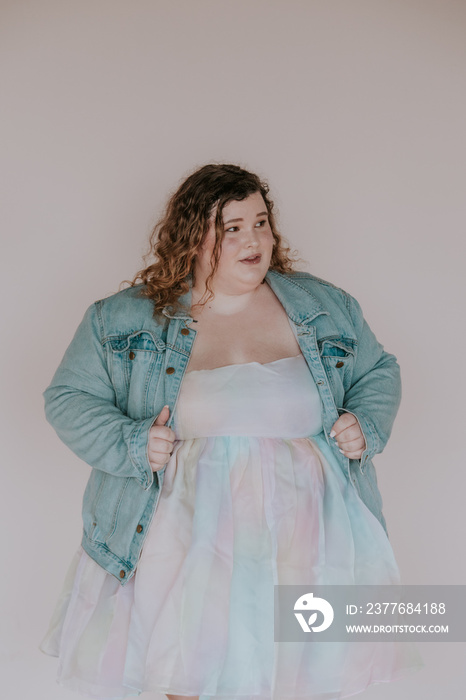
[(355, 112)]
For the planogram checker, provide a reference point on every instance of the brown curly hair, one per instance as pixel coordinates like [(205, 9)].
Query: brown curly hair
[(177, 236)]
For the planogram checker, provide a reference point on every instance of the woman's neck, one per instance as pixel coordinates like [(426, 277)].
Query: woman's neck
[(225, 303)]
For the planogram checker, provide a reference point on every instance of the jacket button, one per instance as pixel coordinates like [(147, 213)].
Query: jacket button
[(184, 331), (122, 574), (170, 370), (339, 364), (139, 528), (132, 355)]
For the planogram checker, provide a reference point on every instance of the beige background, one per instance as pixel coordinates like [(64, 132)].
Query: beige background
[(355, 112)]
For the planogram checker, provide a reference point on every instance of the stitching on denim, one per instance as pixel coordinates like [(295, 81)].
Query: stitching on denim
[(104, 549), (111, 532), (347, 301), (300, 286), (98, 310), (132, 334), (96, 500), (309, 276), (176, 348), (149, 374), (132, 448), (330, 338), (132, 442)]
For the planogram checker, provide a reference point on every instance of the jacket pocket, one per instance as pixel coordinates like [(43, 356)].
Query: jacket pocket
[(135, 362), (337, 356), (101, 504), (92, 495)]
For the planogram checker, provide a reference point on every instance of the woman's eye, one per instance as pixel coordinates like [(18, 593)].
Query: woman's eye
[(233, 229)]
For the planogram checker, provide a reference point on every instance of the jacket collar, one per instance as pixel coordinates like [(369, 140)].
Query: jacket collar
[(184, 300), (299, 303)]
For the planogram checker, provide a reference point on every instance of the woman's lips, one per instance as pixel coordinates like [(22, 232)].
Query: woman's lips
[(252, 259)]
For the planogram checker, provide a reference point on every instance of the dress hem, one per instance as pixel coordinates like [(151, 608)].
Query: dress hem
[(93, 691)]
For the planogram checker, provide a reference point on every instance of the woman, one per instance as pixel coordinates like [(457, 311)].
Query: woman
[(230, 407)]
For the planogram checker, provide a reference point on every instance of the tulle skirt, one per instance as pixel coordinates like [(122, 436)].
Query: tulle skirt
[(198, 616)]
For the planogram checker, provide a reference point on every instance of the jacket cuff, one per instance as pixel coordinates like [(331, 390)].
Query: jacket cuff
[(138, 453), (370, 435)]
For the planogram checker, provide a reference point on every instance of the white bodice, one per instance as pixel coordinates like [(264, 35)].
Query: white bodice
[(277, 399)]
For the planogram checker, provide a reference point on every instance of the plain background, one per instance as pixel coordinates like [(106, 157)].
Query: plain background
[(354, 111)]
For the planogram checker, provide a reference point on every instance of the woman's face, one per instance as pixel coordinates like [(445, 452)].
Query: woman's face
[(246, 247)]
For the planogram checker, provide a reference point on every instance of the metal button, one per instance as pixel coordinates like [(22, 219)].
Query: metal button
[(339, 364), (320, 382), (132, 355), (122, 574), (170, 370), (184, 331), (139, 528)]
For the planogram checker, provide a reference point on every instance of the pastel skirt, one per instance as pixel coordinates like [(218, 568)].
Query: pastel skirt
[(252, 498)]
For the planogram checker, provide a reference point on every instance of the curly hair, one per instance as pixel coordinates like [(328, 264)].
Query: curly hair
[(179, 233)]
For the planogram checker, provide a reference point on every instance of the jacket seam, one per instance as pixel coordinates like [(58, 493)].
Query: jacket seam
[(98, 308), (292, 281), (112, 529), (310, 276), (107, 551)]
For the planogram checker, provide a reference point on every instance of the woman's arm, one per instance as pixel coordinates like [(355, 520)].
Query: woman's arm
[(80, 404), (375, 392)]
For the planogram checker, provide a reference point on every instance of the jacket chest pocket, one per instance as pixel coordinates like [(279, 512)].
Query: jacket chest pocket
[(337, 356), (136, 361)]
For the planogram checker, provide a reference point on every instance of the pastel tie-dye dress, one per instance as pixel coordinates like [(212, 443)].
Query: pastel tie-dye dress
[(252, 496)]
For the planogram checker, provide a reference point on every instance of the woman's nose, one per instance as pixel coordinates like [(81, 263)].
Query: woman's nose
[(252, 236)]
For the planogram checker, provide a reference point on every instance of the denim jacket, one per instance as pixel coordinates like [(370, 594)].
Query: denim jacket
[(122, 366)]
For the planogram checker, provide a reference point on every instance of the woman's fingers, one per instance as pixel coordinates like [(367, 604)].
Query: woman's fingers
[(163, 416), (161, 431), (351, 448), (159, 454), (348, 436), (158, 445), (351, 445), (161, 441)]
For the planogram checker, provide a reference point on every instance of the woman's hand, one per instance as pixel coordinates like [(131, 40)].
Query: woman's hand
[(161, 439), (348, 436)]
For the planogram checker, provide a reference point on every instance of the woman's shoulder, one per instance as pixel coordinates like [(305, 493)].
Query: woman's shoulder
[(126, 310)]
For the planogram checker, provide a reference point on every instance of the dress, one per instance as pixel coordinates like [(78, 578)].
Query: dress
[(252, 496)]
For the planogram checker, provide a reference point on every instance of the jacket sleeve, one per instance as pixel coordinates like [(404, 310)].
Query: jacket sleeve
[(375, 392), (80, 404)]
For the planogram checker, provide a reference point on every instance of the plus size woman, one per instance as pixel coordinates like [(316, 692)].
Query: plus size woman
[(229, 407)]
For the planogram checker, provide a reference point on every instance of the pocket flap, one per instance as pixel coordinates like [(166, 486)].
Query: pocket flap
[(336, 347), (138, 341)]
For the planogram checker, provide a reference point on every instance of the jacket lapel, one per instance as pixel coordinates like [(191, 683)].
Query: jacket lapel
[(302, 307)]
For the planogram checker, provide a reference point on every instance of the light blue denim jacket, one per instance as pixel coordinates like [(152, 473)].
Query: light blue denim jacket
[(122, 366)]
